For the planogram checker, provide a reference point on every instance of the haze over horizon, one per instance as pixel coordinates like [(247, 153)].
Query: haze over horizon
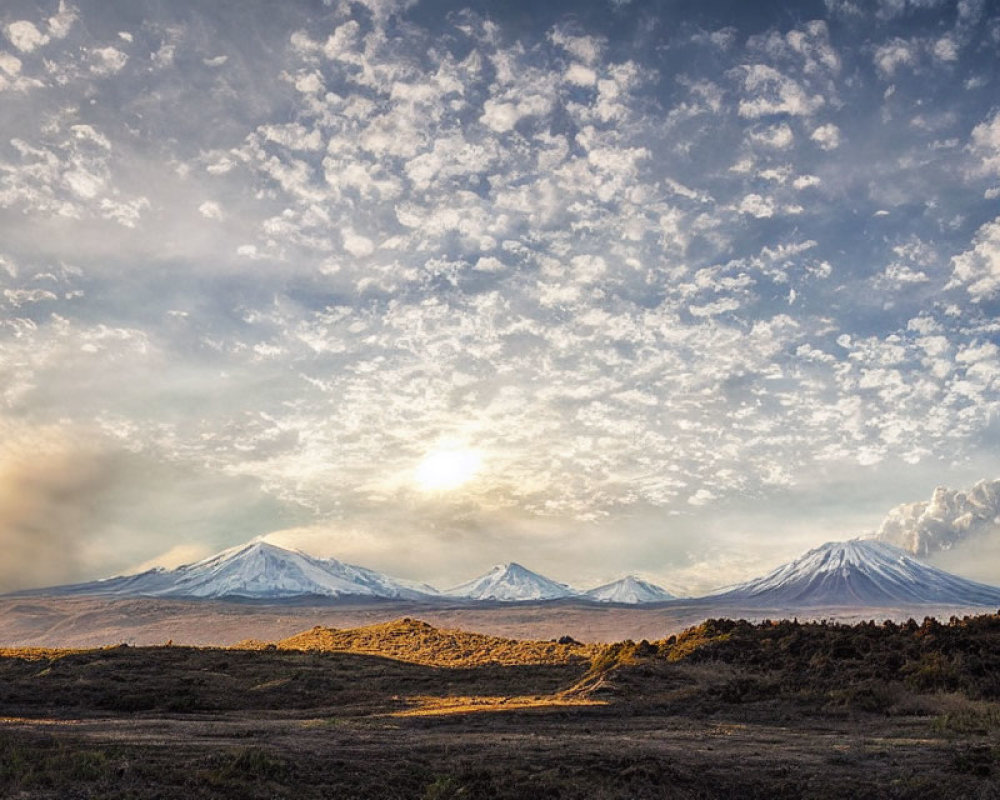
[(673, 288)]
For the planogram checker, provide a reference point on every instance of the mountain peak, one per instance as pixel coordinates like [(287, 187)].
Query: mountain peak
[(511, 582), (856, 572), (259, 570), (632, 590)]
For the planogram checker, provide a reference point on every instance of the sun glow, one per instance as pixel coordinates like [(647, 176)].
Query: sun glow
[(447, 468)]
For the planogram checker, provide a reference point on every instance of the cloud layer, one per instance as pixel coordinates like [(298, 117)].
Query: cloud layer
[(647, 271)]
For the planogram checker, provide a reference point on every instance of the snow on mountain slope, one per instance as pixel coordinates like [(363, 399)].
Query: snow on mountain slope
[(631, 590), (258, 570), (512, 583), (859, 572), (947, 519)]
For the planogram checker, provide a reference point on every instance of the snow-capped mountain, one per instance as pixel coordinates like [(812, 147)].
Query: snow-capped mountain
[(859, 572), (258, 570), (512, 583), (631, 590)]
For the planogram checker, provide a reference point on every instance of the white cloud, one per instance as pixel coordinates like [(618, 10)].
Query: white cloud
[(771, 92), (579, 75), (826, 136), (586, 48), (756, 206), (501, 116), (358, 245), (61, 23), (489, 264), (985, 145), (210, 210), (978, 269), (966, 522), (946, 49), (897, 276), (294, 136), (309, 82), (807, 47), (25, 36), (125, 212), (83, 183), (20, 297), (779, 137), (701, 497), (895, 53), (10, 64), (107, 61)]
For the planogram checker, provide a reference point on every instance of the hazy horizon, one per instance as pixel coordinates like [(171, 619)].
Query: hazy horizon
[(629, 286)]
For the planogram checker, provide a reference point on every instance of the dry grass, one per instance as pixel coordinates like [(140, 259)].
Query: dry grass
[(439, 706), (37, 653), (417, 642)]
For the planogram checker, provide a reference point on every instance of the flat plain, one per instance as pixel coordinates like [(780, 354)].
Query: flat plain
[(89, 621)]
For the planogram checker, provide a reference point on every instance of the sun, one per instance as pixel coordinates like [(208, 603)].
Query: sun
[(447, 468)]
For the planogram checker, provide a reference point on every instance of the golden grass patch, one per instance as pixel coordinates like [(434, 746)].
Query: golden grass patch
[(438, 706), (420, 643)]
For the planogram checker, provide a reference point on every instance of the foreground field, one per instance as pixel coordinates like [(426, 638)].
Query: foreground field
[(724, 710)]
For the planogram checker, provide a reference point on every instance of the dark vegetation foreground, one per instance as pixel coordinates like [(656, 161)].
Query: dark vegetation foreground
[(726, 709)]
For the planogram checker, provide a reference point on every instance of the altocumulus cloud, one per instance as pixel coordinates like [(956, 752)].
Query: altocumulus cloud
[(655, 274)]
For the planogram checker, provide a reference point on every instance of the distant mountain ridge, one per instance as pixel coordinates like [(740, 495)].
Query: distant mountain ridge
[(858, 572), (260, 570)]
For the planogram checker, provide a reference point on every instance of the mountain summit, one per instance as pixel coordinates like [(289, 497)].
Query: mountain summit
[(258, 570), (511, 583), (631, 590), (859, 572)]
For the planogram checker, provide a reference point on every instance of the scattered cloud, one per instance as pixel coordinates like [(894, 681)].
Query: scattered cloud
[(978, 269), (894, 54), (985, 146), (826, 136), (768, 92), (644, 280)]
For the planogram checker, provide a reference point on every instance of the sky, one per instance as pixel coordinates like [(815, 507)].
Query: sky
[(673, 288)]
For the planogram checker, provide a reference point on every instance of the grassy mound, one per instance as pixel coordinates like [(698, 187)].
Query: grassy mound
[(419, 643)]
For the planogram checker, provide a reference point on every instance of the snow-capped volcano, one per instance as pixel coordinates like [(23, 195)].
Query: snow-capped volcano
[(512, 583), (859, 572), (631, 590), (259, 570)]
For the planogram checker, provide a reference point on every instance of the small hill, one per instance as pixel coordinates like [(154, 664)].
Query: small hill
[(419, 643)]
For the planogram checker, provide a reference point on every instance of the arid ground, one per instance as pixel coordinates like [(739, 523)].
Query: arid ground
[(726, 709)]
